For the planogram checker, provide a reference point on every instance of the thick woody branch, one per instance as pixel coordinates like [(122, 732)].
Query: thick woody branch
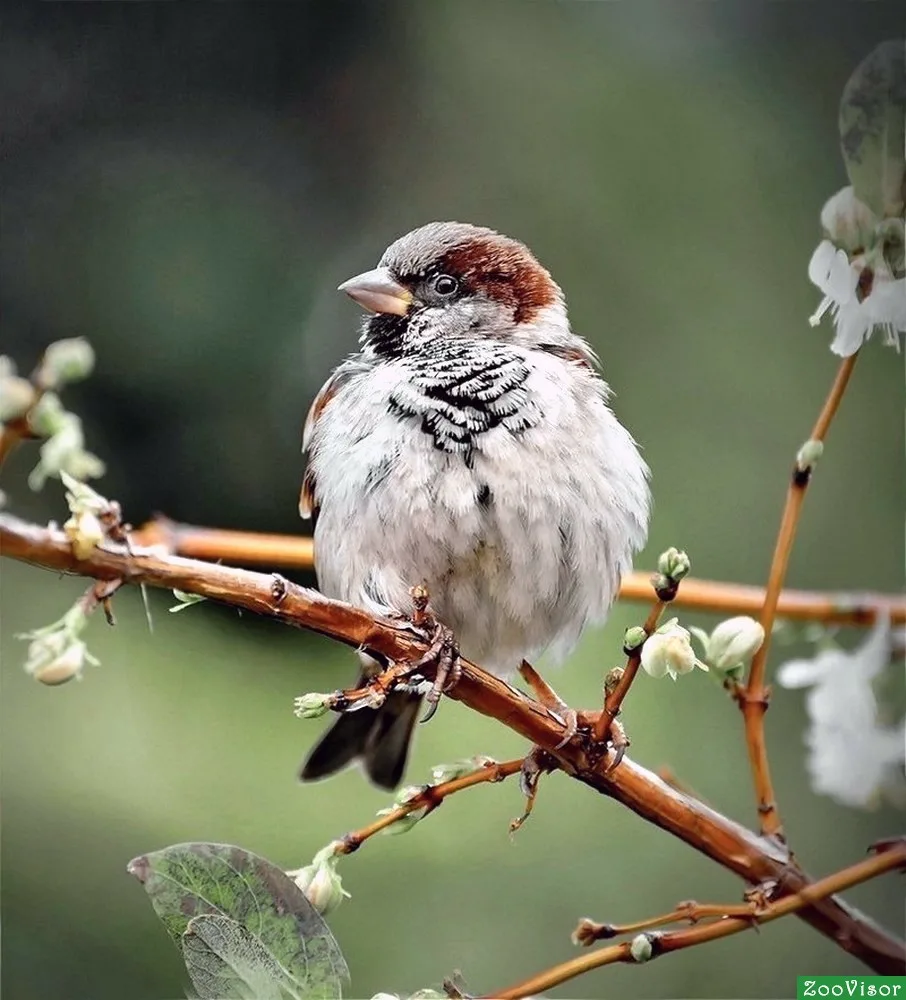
[(753, 858), (252, 548)]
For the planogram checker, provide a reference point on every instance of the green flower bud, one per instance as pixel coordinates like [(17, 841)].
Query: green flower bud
[(56, 654), (47, 416), (809, 454), (312, 705), (674, 563), (404, 824), (633, 637), (641, 948), (66, 361), (449, 772)]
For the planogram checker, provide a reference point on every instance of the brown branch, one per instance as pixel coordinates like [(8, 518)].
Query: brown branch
[(429, 798), (215, 544), (753, 698), (614, 699), (251, 548), (662, 944), (753, 858), (589, 931)]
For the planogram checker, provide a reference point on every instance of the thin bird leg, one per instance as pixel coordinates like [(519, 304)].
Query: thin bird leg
[(551, 701), (443, 651)]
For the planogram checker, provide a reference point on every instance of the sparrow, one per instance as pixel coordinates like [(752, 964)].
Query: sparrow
[(468, 448)]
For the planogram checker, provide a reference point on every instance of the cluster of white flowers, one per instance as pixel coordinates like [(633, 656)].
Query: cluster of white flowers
[(860, 265), (859, 268), (852, 756)]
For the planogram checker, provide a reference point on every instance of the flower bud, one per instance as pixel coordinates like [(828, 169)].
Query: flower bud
[(427, 994), (67, 665), (407, 793), (450, 772), (16, 397), (47, 416), (325, 891), (641, 948), (633, 638), (669, 651), (320, 881), (85, 533), (66, 361), (674, 563), (809, 454), (734, 642), (312, 705), (587, 932), (404, 824), (386, 996)]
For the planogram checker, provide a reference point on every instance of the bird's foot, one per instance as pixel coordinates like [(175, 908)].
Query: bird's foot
[(443, 653), (549, 698)]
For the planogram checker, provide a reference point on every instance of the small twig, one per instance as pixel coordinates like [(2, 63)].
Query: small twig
[(754, 697), (429, 799), (614, 699), (678, 940), (588, 931)]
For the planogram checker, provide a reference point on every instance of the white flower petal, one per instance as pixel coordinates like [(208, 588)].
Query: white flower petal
[(819, 266), (853, 327), (852, 758)]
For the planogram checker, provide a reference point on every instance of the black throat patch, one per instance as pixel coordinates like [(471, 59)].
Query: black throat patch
[(461, 389)]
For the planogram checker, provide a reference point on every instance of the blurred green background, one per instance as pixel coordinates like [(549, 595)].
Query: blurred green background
[(186, 185)]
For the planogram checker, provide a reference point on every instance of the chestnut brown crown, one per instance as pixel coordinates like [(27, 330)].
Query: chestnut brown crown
[(477, 261)]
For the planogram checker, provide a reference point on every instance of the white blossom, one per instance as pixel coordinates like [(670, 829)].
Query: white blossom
[(859, 269), (669, 651), (852, 756), (320, 881), (732, 643)]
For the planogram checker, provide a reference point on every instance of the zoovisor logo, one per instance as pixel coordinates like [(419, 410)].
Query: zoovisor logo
[(850, 986)]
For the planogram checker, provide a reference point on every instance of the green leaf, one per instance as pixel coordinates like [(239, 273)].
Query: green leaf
[(187, 881), (227, 962), (185, 601), (873, 128)]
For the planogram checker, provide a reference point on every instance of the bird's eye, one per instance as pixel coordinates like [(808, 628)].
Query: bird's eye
[(444, 285)]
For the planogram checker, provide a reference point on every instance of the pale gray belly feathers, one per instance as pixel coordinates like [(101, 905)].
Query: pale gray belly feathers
[(495, 475)]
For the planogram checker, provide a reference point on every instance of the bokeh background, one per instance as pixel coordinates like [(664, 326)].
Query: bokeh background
[(186, 184)]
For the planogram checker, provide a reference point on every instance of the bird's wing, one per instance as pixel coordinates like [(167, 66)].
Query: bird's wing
[(308, 501)]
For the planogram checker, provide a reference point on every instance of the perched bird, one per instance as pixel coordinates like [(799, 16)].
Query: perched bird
[(469, 448)]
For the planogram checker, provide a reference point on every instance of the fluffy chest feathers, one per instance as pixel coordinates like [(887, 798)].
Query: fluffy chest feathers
[(493, 474)]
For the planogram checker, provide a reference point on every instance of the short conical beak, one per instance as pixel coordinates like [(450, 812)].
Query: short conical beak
[(378, 291)]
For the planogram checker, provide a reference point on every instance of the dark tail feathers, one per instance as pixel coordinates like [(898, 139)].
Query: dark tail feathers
[(380, 737)]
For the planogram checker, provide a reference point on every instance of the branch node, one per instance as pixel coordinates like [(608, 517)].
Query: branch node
[(279, 588)]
